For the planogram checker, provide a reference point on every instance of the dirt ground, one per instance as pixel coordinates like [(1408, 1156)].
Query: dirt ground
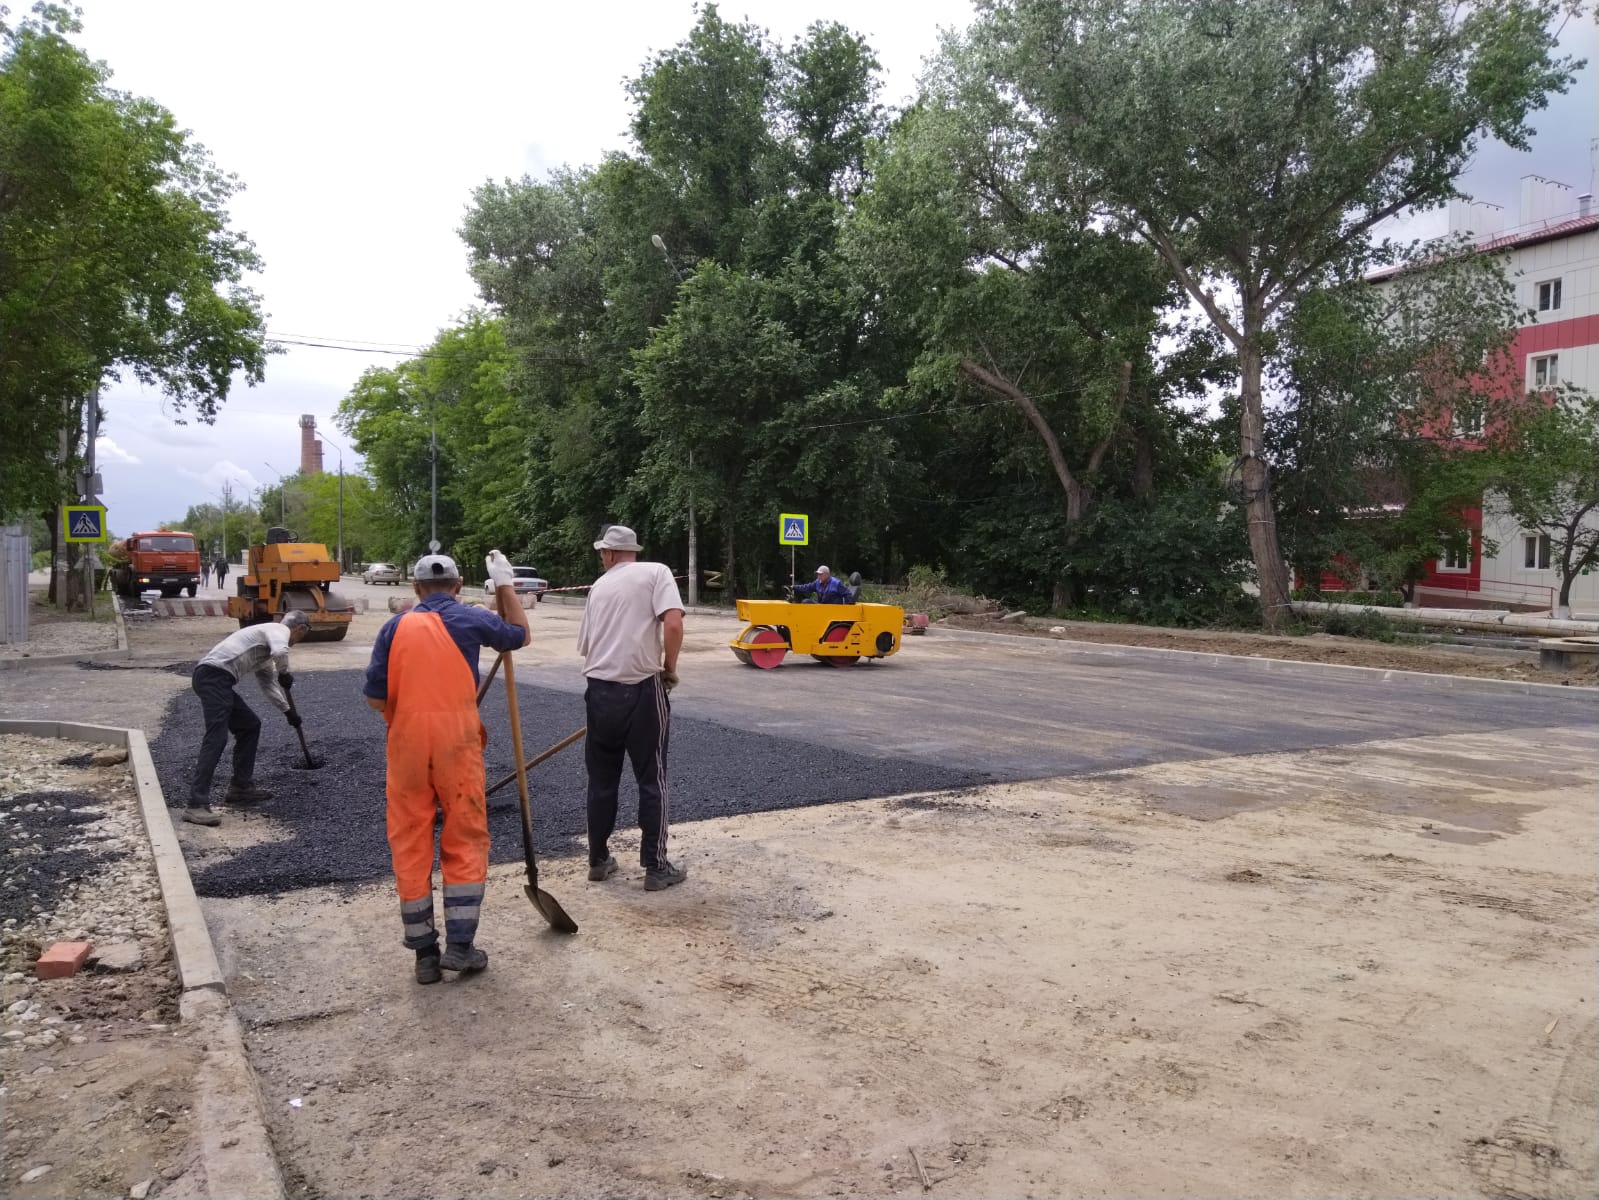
[(1335, 979), (1364, 969), (98, 1075), (1318, 648)]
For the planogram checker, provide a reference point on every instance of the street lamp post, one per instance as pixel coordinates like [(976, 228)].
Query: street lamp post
[(283, 495), (337, 450), (659, 243)]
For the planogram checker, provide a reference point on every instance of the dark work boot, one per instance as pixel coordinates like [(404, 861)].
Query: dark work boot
[(246, 793), (427, 965), (601, 871), (463, 958), (201, 814)]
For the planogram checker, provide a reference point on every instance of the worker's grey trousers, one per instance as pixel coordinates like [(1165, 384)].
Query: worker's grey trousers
[(225, 712), (631, 719)]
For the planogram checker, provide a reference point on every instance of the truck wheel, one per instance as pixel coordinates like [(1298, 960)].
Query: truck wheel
[(192, 589)]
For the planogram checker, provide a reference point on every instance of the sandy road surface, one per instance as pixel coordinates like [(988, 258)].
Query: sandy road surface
[(1099, 986), (1222, 932)]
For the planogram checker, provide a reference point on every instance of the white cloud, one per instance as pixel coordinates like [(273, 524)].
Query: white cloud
[(107, 451)]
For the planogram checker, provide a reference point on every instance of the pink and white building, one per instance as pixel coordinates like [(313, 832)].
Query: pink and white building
[(1553, 257)]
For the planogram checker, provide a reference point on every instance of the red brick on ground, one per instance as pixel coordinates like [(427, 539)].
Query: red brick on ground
[(62, 959)]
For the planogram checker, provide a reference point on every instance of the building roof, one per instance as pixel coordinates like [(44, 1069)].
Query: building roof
[(1527, 235)]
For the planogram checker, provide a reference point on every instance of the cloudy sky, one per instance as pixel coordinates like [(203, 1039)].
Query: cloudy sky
[(360, 130)]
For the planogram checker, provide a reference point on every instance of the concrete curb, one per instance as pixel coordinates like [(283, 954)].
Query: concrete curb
[(235, 1148), (56, 660), (1280, 666), (122, 625)]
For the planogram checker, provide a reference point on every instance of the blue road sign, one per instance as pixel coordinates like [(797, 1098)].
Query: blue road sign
[(793, 529), (85, 522)]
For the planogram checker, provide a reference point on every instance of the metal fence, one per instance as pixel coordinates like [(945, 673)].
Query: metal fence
[(16, 558)]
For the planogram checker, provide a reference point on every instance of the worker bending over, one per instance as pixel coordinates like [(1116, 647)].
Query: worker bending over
[(423, 679), (262, 651)]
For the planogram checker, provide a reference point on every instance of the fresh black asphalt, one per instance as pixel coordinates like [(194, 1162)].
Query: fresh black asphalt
[(335, 814), (746, 740)]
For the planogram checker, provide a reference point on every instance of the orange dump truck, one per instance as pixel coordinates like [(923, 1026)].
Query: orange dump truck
[(165, 560)]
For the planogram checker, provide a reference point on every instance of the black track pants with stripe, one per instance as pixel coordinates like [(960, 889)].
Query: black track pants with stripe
[(632, 719)]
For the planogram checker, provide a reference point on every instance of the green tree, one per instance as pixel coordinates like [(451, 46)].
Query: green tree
[(458, 391), (116, 255), (1384, 391), (1011, 291), (1257, 146), (1546, 476)]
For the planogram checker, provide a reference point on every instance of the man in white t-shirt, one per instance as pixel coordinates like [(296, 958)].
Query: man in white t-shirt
[(630, 637)]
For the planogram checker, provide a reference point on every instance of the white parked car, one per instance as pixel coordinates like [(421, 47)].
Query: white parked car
[(527, 583), (382, 573)]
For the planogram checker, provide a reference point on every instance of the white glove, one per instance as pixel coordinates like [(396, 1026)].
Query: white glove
[(500, 573)]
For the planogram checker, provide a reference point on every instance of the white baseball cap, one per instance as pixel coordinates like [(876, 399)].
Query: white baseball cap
[(823, 570), (435, 566)]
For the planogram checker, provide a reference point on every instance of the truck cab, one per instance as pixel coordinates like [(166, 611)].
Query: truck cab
[(164, 560)]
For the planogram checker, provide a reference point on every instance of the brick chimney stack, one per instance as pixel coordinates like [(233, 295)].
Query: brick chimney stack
[(310, 448)]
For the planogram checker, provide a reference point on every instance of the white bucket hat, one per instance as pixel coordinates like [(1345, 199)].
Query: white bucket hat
[(618, 537)]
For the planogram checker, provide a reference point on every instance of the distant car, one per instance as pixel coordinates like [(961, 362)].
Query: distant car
[(382, 573), (527, 583)]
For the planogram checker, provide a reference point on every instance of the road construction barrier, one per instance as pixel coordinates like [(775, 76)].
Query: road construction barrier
[(400, 604), (219, 608)]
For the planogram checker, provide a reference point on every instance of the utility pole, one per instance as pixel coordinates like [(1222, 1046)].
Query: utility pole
[(226, 497), (90, 493), (340, 452), (283, 494)]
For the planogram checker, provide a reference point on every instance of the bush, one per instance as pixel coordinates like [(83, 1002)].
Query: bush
[(1176, 559), (1368, 625)]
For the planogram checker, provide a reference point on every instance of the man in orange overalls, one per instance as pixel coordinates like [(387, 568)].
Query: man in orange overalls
[(423, 678)]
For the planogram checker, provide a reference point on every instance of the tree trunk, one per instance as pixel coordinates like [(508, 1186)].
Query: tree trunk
[(1078, 496), (1567, 575), (1270, 569), (727, 552), (1143, 466)]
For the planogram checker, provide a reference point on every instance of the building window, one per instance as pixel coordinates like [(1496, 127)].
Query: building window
[(1535, 551), (1456, 558), (1467, 421), (1546, 370), (1549, 295)]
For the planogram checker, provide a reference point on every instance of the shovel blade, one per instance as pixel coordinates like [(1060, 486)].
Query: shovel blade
[(550, 909)]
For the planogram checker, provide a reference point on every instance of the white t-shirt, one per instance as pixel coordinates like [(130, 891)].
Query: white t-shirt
[(620, 637)]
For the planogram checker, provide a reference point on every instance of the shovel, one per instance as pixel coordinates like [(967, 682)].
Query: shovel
[(312, 761), (549, 907), (540, 757)]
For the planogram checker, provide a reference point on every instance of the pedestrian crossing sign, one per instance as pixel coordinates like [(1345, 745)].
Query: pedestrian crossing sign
[(793, 529), (84, 522)]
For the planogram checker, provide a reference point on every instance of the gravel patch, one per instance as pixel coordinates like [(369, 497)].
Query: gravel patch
[(63, 637), (327, 826)]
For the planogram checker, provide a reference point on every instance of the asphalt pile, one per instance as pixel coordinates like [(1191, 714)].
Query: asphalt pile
[(47, 851), (334, 817)]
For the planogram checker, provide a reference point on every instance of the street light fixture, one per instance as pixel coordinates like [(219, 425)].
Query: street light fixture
[(659, 243)]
